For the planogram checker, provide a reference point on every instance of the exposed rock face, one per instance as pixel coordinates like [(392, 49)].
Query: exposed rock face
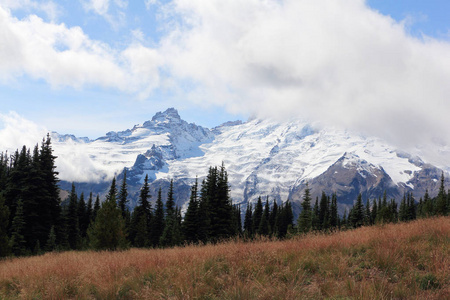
[(262, 157)]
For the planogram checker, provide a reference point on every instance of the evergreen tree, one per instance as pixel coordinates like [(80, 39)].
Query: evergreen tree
[(368, 214), (190, 224), (273, 217), (51, 241), (123, 195), (167, 238), (96, 208), (83, 219), (17, 241), (357, 217), (49, 206), (248, 221), (204, 229), (108, 230), (263, 228), (142, 218), (441, 200), (257, 216), (237, 223), (374, 211), (158, 221), (89, 210), (334, 217), (411, 207), (403, 211), (285, 219), (73, 231), (305, 218), (315, 221), (4, 220), (427, 208), (324, 212)]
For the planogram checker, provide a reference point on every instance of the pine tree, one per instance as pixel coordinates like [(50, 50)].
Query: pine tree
[(17, 241), (4, 220), (236, 220), (334, 217), (83, 219), (204, 228), (167, 239), (427, 208), (96, 208), (190, 224), (273, 217), (142, 217), (357, 217), (123, 195), (315, 222), (305, 218), (248, 222), (263, 228), (285, 219), (89, 210), (441, 200), (324, 212), (403, 211), (257, 216), (73, 231), (158, 221), (51, 241), (49, 207), (368, 214), (108, 230)]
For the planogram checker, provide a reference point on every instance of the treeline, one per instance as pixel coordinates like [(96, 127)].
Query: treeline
[(34, 220), (323, 216)]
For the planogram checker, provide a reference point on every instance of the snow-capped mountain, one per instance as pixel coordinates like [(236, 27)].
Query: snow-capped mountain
[(262, 157)]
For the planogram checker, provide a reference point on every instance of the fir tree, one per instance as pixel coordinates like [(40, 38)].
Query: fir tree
[(334, 217), (248, 221), (83, 218), (158, 220), (357, 217), (315, 221), (273, 217), (89, 210), (96, 208), (324, 212), (263, 228), (190, 224), (368, 214), (167, 238), (73, 231), (123, 195), (108, 230), (441, 200), (4, 220), (51, 241), (17, 241), (305, 218), (257, 215)]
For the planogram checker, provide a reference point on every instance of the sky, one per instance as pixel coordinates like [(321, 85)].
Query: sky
[(86, 67)]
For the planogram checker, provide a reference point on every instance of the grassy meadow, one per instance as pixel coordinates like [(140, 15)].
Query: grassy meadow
[(394, 261)]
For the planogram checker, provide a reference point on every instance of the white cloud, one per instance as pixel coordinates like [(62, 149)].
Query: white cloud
[(67, 57), (50, 8), (16, 131), (337, 61)]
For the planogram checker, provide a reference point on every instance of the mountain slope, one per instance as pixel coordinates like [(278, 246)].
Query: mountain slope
[(262, 157)]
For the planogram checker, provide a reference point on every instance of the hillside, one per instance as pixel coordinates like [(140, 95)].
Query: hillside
[(263, 158), (398, 261)]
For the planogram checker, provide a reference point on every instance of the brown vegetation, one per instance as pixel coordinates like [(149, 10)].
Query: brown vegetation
[(395, 261)]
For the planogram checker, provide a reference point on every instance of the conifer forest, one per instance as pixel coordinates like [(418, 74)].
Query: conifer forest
[(34, 220)]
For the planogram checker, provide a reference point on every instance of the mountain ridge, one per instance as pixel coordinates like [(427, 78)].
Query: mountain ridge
[(263, 157)]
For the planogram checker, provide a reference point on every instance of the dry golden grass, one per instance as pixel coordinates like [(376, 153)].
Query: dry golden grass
[(404, 261)]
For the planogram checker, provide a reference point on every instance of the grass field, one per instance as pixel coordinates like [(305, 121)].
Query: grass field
[(395, 261)]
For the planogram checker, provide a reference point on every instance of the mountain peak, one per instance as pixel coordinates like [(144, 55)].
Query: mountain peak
[(169, 114)]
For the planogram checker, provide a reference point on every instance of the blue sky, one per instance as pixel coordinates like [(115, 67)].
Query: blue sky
[(89, 66)]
